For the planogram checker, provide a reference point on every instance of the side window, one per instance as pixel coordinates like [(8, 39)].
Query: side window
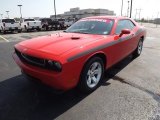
[(130, 24), (124, 24)]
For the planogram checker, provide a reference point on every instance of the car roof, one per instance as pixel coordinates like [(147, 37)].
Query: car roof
[(107, 17)]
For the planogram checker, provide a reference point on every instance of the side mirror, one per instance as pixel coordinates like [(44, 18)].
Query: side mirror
[(124, 31)]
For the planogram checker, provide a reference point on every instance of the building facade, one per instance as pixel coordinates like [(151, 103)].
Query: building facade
[(77, 13)]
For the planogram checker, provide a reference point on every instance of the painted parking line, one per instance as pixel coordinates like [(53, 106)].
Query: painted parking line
[(4, 39)]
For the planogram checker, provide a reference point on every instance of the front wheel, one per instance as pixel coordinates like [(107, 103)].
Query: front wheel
[(138, 50), (91, 75)]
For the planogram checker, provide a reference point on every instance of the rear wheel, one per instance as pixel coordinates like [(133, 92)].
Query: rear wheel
[(26, 29), (139, 48), (38, 29), (4, 32), (20, 30), (91, 75)]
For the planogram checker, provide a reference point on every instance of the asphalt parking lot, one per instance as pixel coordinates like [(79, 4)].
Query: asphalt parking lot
[(130, 91)]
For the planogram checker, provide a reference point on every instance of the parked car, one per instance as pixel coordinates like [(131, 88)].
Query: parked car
[(79, 55), (9, 25), (69, 22), (62, 23), (47, 23), (31, 24), (57, 25)]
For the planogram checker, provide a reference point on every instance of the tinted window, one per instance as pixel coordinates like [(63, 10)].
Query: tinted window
[(8, 20), (46, 20), (61, 19), (124, 24), (96, 26), (29, 20)]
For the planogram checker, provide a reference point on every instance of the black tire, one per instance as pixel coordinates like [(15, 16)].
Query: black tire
[(45, 28), (1, 31), (83, 85), (38, 29), (138, 50), (4, 32), (19, 31), (25, 28)]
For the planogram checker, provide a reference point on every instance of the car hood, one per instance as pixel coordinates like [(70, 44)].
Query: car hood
[(59, 43)]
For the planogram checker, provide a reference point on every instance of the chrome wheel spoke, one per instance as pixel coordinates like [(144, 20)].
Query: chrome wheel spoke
[(89, 80), (94, 66), (94, 79), (96, 71), (140, 47), (94, 74), (89, 72)]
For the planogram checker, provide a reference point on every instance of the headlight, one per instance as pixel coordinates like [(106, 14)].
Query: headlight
[(53, 65)]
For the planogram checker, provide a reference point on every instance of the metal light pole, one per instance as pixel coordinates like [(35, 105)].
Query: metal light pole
[(131, 9), (55, 8), (122, 9), (128, 10), (20, 11), (7, 13)]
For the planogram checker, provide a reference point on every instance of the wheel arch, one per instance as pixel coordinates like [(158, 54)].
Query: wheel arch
[(100, 54), (142, 37)]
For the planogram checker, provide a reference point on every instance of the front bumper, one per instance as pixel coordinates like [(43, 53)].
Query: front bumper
[(59, 80)]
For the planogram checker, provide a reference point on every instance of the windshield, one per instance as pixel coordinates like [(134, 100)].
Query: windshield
[(8, 20), (92, 26), (29, 20)]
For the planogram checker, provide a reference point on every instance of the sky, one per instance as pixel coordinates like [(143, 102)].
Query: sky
[(45, 8)]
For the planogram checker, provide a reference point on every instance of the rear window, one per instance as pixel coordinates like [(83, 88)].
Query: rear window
[(8, 20), (29, 20)]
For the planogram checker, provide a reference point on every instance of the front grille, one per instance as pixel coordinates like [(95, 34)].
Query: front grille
[(30, 59)]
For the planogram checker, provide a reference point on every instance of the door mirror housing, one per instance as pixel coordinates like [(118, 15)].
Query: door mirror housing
[(124, 31)]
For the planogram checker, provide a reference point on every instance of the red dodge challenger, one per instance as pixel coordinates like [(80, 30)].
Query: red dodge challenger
[(79, 55)]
